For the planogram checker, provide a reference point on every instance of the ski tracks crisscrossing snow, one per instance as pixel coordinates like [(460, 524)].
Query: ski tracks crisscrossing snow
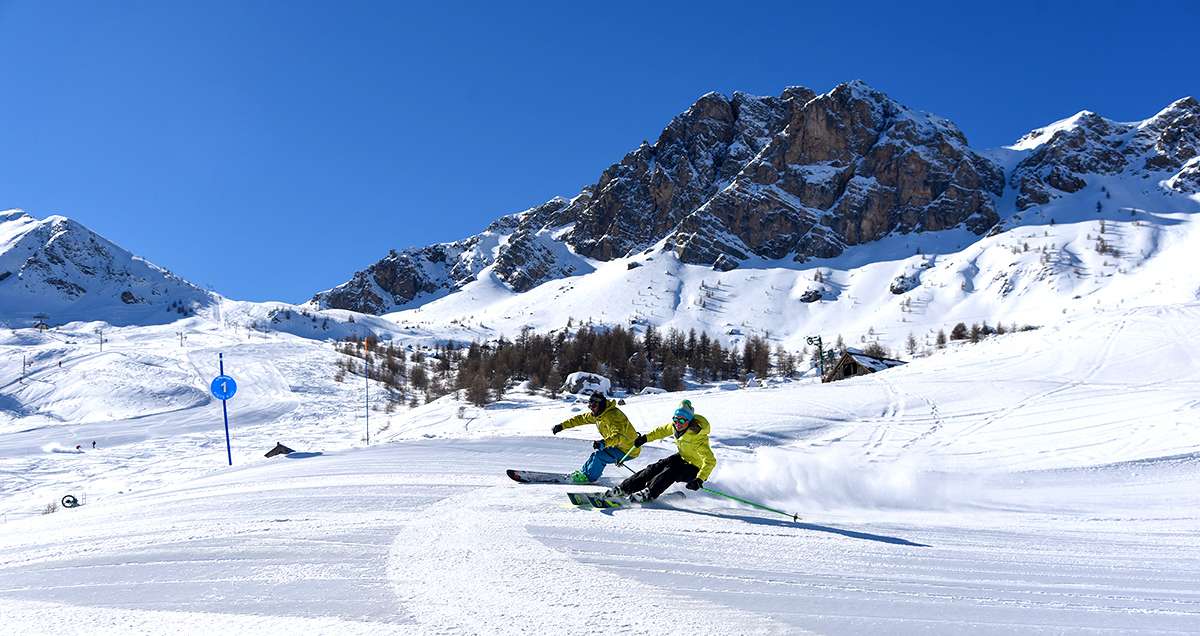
[(469, 564)]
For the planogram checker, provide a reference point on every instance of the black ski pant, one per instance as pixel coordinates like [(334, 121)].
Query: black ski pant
[(658, 476)]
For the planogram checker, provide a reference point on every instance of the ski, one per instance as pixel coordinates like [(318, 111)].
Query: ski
[(597, 500), (535, 477)]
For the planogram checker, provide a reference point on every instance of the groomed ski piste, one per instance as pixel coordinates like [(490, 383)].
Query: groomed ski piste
[(1037, 482)]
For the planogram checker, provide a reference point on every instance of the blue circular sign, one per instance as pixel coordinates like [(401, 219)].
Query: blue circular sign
[(223, 387)]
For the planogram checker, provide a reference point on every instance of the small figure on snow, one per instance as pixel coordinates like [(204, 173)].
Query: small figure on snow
[(692, 464), (79, 447), (617, 433), (93, 444)]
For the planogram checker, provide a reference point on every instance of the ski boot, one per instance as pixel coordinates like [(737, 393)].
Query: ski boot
[(642, 496), (614, 492), (578, 477)]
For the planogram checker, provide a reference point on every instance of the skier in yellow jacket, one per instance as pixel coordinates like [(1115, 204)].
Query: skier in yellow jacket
[(617, 433), (692, 464)]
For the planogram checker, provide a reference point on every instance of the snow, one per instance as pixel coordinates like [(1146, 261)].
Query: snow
[(1042, 135), (1037, 482)]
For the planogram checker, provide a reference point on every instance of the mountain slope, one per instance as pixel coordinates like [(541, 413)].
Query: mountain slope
[(56, 270), (803, 190), (1036, 483), (1066, 156), (798, 176)]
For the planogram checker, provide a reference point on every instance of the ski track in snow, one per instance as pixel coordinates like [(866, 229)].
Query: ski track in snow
[(465, 563)]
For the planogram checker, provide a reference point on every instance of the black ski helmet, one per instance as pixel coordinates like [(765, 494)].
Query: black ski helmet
[(597, 402)]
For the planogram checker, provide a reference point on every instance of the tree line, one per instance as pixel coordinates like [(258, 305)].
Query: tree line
[(483, 371), (631, 360)]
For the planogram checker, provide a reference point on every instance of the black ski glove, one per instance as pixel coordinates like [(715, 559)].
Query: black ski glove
[(639, 441), (557, 429), (695, 484), (598, 444)]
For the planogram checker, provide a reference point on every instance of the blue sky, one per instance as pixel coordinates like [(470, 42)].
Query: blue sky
[(270, 149)]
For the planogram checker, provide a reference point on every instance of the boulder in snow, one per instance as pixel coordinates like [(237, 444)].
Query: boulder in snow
[(585, 383), (811, 296)]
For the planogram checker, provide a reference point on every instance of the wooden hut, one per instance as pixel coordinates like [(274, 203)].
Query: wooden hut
[(855, 362)]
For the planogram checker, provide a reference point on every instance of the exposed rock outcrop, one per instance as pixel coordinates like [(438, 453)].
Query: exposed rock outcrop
[(1088, 144), (850, 167)]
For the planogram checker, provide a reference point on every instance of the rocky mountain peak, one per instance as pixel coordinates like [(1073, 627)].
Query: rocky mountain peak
[(1171, 137), (57, 270), (645, 195), (791, 177), (849, 166), (1064, 154)]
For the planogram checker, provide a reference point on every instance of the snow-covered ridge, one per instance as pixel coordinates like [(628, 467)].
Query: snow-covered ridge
[(56, 270), (799, 182)]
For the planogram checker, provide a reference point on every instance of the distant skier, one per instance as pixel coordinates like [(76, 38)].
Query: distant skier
[(93, 444), (617, 433), (692, 464)]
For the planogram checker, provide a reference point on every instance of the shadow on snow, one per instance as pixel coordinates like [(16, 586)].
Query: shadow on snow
[(779, 523)]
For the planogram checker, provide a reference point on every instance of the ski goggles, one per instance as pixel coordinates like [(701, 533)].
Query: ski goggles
[(680, 422)]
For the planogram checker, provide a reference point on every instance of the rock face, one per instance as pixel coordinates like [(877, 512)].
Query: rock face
[(393, 281), (791, 177), (1187, 180), (518, 249), (849, 167), (56, 270), (1067, 152), (642, 198)]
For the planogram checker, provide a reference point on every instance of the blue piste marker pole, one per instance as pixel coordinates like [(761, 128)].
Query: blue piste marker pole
[(223, 387), (225, 412), (367, 385)]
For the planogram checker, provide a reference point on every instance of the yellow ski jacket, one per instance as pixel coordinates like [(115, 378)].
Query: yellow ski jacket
[(693, 445), (614, 427)]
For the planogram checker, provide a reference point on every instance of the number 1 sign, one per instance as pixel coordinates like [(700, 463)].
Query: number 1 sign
[(223, 387)]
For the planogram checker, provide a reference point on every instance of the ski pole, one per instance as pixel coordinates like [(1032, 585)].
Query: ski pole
[(622, 462), (795, 517)]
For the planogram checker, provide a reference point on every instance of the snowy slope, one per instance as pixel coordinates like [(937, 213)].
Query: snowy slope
[(1040, 482), (1030, 274), (1120, 371)]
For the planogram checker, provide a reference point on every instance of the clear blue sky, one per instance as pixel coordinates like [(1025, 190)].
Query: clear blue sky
[(270, 149)]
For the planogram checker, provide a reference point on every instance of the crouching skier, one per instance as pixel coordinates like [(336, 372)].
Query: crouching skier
[(617, 433), (692, 464)]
